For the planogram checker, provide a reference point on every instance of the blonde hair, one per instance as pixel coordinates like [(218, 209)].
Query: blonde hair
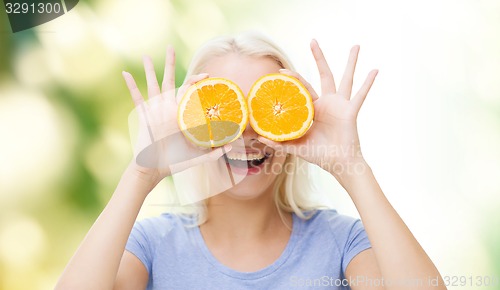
[(293, 187), (248, 44)]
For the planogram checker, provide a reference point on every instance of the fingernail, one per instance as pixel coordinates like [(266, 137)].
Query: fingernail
[(170, 49), (283, 70)]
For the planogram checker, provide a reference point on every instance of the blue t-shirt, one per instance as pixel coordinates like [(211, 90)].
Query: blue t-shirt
[(316, 256)]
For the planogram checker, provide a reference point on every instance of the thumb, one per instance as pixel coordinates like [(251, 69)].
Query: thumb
[(209, 157), (216, 153), (277, 146), (270, 143)]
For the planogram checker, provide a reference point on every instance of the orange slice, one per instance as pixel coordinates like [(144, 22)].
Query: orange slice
[(213, 112), (280, 107)]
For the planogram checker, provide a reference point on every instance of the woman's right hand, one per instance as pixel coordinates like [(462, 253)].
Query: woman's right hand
[(161, 149)]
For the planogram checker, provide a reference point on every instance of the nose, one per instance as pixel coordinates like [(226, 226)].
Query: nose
[(249, 133)]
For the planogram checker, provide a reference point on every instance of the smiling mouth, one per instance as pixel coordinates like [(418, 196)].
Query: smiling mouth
[(248, 160)]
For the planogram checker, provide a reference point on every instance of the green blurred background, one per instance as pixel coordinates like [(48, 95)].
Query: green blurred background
[(430, 127)]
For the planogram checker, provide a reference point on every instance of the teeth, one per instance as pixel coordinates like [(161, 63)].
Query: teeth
[(243, 156)]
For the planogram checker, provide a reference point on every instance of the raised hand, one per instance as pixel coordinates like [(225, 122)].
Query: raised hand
[(160, 148), (332, 142)]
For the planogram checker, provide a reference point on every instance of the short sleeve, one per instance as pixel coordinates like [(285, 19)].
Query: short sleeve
[(140, 245), (357, 241), (145, 237)]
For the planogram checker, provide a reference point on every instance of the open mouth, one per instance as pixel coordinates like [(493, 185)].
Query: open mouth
[(246, 160)]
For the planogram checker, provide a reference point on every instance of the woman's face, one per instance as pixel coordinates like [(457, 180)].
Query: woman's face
[(250, 162)]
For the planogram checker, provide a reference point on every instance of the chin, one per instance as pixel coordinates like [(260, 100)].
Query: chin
[(253, 177), (250, 188)]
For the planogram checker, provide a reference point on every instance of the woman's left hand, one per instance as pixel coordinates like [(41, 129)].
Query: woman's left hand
[(332, 142)]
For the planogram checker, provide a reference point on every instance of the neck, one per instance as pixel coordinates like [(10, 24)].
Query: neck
[(231, 218)]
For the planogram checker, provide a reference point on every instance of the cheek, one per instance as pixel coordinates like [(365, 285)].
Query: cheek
[(279, 160), (276, 166)]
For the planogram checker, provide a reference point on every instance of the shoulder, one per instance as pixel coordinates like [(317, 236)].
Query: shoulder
[(341, 235), (331, 219), (162, 225), (147, 235), (334, 226)]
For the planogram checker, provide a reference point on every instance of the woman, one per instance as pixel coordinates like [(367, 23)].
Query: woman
[(260, 233)]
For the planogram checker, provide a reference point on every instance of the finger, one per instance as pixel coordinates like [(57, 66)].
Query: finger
[(209, 154), (153, 87), (140, 105), (132, 87), (212, 156), (191, 80), (325, 74), (285, 146), (168, 84), (360, 96), (218, 152), (308, 86), (346, 83)]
